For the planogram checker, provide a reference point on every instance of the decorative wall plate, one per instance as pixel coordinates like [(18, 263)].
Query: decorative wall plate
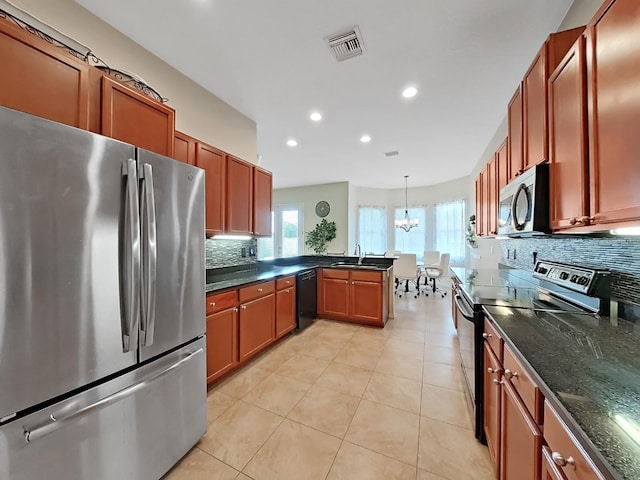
[(322, 208)]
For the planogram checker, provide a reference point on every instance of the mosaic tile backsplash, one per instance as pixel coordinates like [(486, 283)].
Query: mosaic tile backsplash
[(227, 253), (621, 255)]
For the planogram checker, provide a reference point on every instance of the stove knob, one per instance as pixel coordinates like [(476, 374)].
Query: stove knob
[(574, 278), (583, 280), (564, 276)]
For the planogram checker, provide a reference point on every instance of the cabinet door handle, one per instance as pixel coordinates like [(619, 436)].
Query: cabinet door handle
[(498, 382), (486, 335), (287, 290), (493, 370), (559, 460), (509, 374), (212, 304), (587, 220), (244, 307), (353, 283), (235, 309)]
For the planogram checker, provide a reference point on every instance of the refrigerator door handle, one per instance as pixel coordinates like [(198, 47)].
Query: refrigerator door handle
[(130, 259), (149, 256), (53, 423)]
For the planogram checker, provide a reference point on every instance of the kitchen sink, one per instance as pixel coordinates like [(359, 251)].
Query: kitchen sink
[(355, 266)]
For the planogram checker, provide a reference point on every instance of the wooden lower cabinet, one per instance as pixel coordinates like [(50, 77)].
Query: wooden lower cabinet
[(222, 343), (256, 325), (354, 295), (285, 311), (335, 293), (366, 298), (492, 402), (549, 469), (521, 440)]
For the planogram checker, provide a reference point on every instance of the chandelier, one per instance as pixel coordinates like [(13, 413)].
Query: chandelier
[(406, 223)]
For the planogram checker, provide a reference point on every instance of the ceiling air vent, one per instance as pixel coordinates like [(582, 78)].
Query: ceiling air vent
[(391, 154), (346, 44)]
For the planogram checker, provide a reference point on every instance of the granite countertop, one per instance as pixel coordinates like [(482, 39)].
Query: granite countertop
[(224, 278), (588, 368)]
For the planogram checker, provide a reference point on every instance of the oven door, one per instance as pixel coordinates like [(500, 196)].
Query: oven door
[(470, 326)]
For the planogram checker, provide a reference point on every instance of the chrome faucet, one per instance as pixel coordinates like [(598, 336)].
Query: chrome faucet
[(358, 252)]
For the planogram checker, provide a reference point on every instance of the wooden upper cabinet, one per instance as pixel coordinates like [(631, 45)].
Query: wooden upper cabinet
[(534, 87), (535, 111), (262, 194), (613, 70), (41, 79), (184, 149), (482, 219), (132, 117), (479, 203), (239, 196), (568, 175), (212, 161), (502, 165), (492, 196), (515, 143)]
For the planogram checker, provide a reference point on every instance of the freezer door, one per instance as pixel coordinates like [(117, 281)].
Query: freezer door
[(136, 426), (62, 228), (173, 270)]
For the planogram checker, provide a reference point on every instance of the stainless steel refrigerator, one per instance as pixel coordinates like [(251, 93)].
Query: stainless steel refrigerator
[(102, 320)]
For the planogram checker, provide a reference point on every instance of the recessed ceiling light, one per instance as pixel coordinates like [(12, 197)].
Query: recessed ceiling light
[(409, 92), (365, 138), (316, 116), (291, 142)]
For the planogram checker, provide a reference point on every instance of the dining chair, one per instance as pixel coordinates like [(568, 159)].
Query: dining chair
[(436, 273), (405, 270)]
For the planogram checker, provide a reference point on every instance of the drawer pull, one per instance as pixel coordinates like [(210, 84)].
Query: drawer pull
[(287, 290), (244, 307), (259, 289), (235, 309), (509, 374), (498, 382), (493, 370), (486, 335), (559, 460), (212, 304)]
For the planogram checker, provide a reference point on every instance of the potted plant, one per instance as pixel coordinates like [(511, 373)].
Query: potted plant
[(319, 237), (471, 231)]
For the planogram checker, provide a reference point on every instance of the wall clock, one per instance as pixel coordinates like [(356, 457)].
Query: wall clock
[(322, 208)]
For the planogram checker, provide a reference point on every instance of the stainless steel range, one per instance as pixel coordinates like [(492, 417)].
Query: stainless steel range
[(551, 287)]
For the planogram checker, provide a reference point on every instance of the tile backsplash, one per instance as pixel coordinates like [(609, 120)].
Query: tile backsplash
[(621, 255), (227, 253)]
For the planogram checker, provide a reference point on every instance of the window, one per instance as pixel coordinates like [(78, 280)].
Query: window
[(449, 230), (372, 229), (286, 240), (414, 240)]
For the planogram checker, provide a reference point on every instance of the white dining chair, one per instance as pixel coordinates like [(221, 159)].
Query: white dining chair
[(436, 273), (405, 269)]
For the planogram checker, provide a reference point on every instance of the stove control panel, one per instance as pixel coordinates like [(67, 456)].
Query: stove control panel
[(576, 278)]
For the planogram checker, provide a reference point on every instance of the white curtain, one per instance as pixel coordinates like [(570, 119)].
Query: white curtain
[(414, 240), (372, 229), (449, 230)]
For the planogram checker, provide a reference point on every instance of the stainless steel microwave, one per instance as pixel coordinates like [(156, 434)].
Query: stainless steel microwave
[(524, 203)]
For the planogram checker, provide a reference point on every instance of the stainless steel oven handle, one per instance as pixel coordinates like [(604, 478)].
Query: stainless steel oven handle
[(53, 423), (462, 308)]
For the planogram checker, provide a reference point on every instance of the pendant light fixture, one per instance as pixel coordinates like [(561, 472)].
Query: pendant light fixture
[(406, 223)]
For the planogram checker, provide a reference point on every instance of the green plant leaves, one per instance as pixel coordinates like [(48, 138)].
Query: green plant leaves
[(319, 237)]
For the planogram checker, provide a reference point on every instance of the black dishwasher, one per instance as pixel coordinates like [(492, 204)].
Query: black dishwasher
[(307, 298)]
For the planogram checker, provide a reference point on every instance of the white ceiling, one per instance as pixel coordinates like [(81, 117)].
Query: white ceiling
[(268, 60)]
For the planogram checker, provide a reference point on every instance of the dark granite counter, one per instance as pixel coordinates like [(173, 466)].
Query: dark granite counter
[(231, 277), (588, 368)]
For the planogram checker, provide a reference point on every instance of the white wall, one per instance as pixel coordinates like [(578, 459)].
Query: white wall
[(198, 112), (337, 194)]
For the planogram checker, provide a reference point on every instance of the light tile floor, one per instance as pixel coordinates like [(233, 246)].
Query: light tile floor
[(344, 402)]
